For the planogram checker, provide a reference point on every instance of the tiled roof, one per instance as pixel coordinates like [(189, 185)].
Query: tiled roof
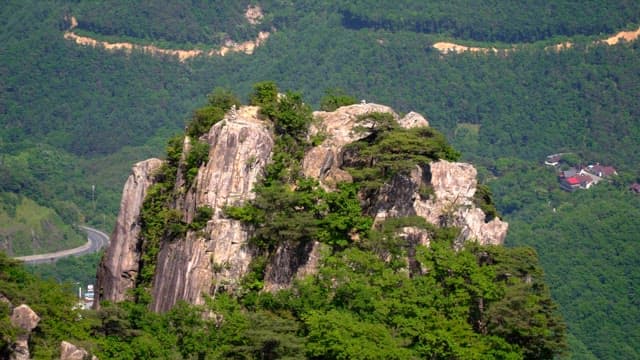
[(573, 180)]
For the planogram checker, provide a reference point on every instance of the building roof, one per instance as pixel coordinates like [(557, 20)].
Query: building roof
[(573, 180), (635, 187), (584, 178), (569, 173), (601, 170), (553, 159)]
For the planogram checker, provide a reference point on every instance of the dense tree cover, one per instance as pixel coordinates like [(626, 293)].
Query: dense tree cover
[(507, 21), (53, 303), (477, 303), (335, 98), (27, 228), (472, 304), (195, 22), (45, 191), (75, 270), (586, 244), (528, 104)]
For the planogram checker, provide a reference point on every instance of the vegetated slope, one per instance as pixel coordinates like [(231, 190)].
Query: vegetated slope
[(27, 228), (195, 22), (586, 242), (506, 21)]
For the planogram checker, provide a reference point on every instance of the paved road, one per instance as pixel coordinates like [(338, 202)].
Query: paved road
[(96, 240)]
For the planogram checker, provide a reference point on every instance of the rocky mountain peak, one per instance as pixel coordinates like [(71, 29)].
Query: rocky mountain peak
[(216, 257)]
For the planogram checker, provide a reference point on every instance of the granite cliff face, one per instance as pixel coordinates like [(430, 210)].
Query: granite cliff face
[(453, 185), (324, 161), (218, 256), (120, 264)]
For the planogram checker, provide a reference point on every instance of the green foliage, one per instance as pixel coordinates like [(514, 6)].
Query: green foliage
[(391, 150), (196, 22), (174, 151), (28, 228), (219, 102), (306, 213), (158, 223), (271, 337), (526, 296), (197, 155), (254, 279), (484, 200), (587, 245), (289, 207), (203, 215), (292, 116), (72, 270), (53, 303), (203, 119), (509, 22), (360, 306), (335, 98), (522, 106), (265, 95)]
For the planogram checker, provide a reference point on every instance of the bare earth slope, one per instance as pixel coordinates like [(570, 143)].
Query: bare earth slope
[(449, 48)]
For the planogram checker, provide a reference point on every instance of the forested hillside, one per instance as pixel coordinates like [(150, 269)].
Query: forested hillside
[(99, 112), (364, 301), (506, 21)]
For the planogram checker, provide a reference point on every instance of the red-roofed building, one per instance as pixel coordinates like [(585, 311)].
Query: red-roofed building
[(573, 180), (578, 181)]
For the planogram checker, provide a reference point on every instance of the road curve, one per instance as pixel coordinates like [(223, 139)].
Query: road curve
[(96, 240)]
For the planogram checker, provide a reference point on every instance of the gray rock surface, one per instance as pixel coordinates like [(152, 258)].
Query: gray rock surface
[(413, 119), (119, 267), (26, 319), (240, 146), (323, 161), (454, 185), (69, 351)]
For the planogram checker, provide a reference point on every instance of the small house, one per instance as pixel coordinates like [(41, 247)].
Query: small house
[(601, 171), (577, 181), (553, 160)]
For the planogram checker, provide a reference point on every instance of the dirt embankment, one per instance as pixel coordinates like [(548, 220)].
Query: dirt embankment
[(230, 46), (624, 35), (448, 48)]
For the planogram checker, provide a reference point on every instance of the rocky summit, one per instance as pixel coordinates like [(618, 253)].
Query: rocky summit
[(205, 260)]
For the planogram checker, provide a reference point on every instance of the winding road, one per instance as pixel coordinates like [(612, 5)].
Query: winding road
[(96, 240)]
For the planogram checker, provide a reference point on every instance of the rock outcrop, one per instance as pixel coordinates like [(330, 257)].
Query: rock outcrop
[(119, 266), (68, 351), (25, 319), (218, 256), (342, 127), (290, 262), (453, 186)]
